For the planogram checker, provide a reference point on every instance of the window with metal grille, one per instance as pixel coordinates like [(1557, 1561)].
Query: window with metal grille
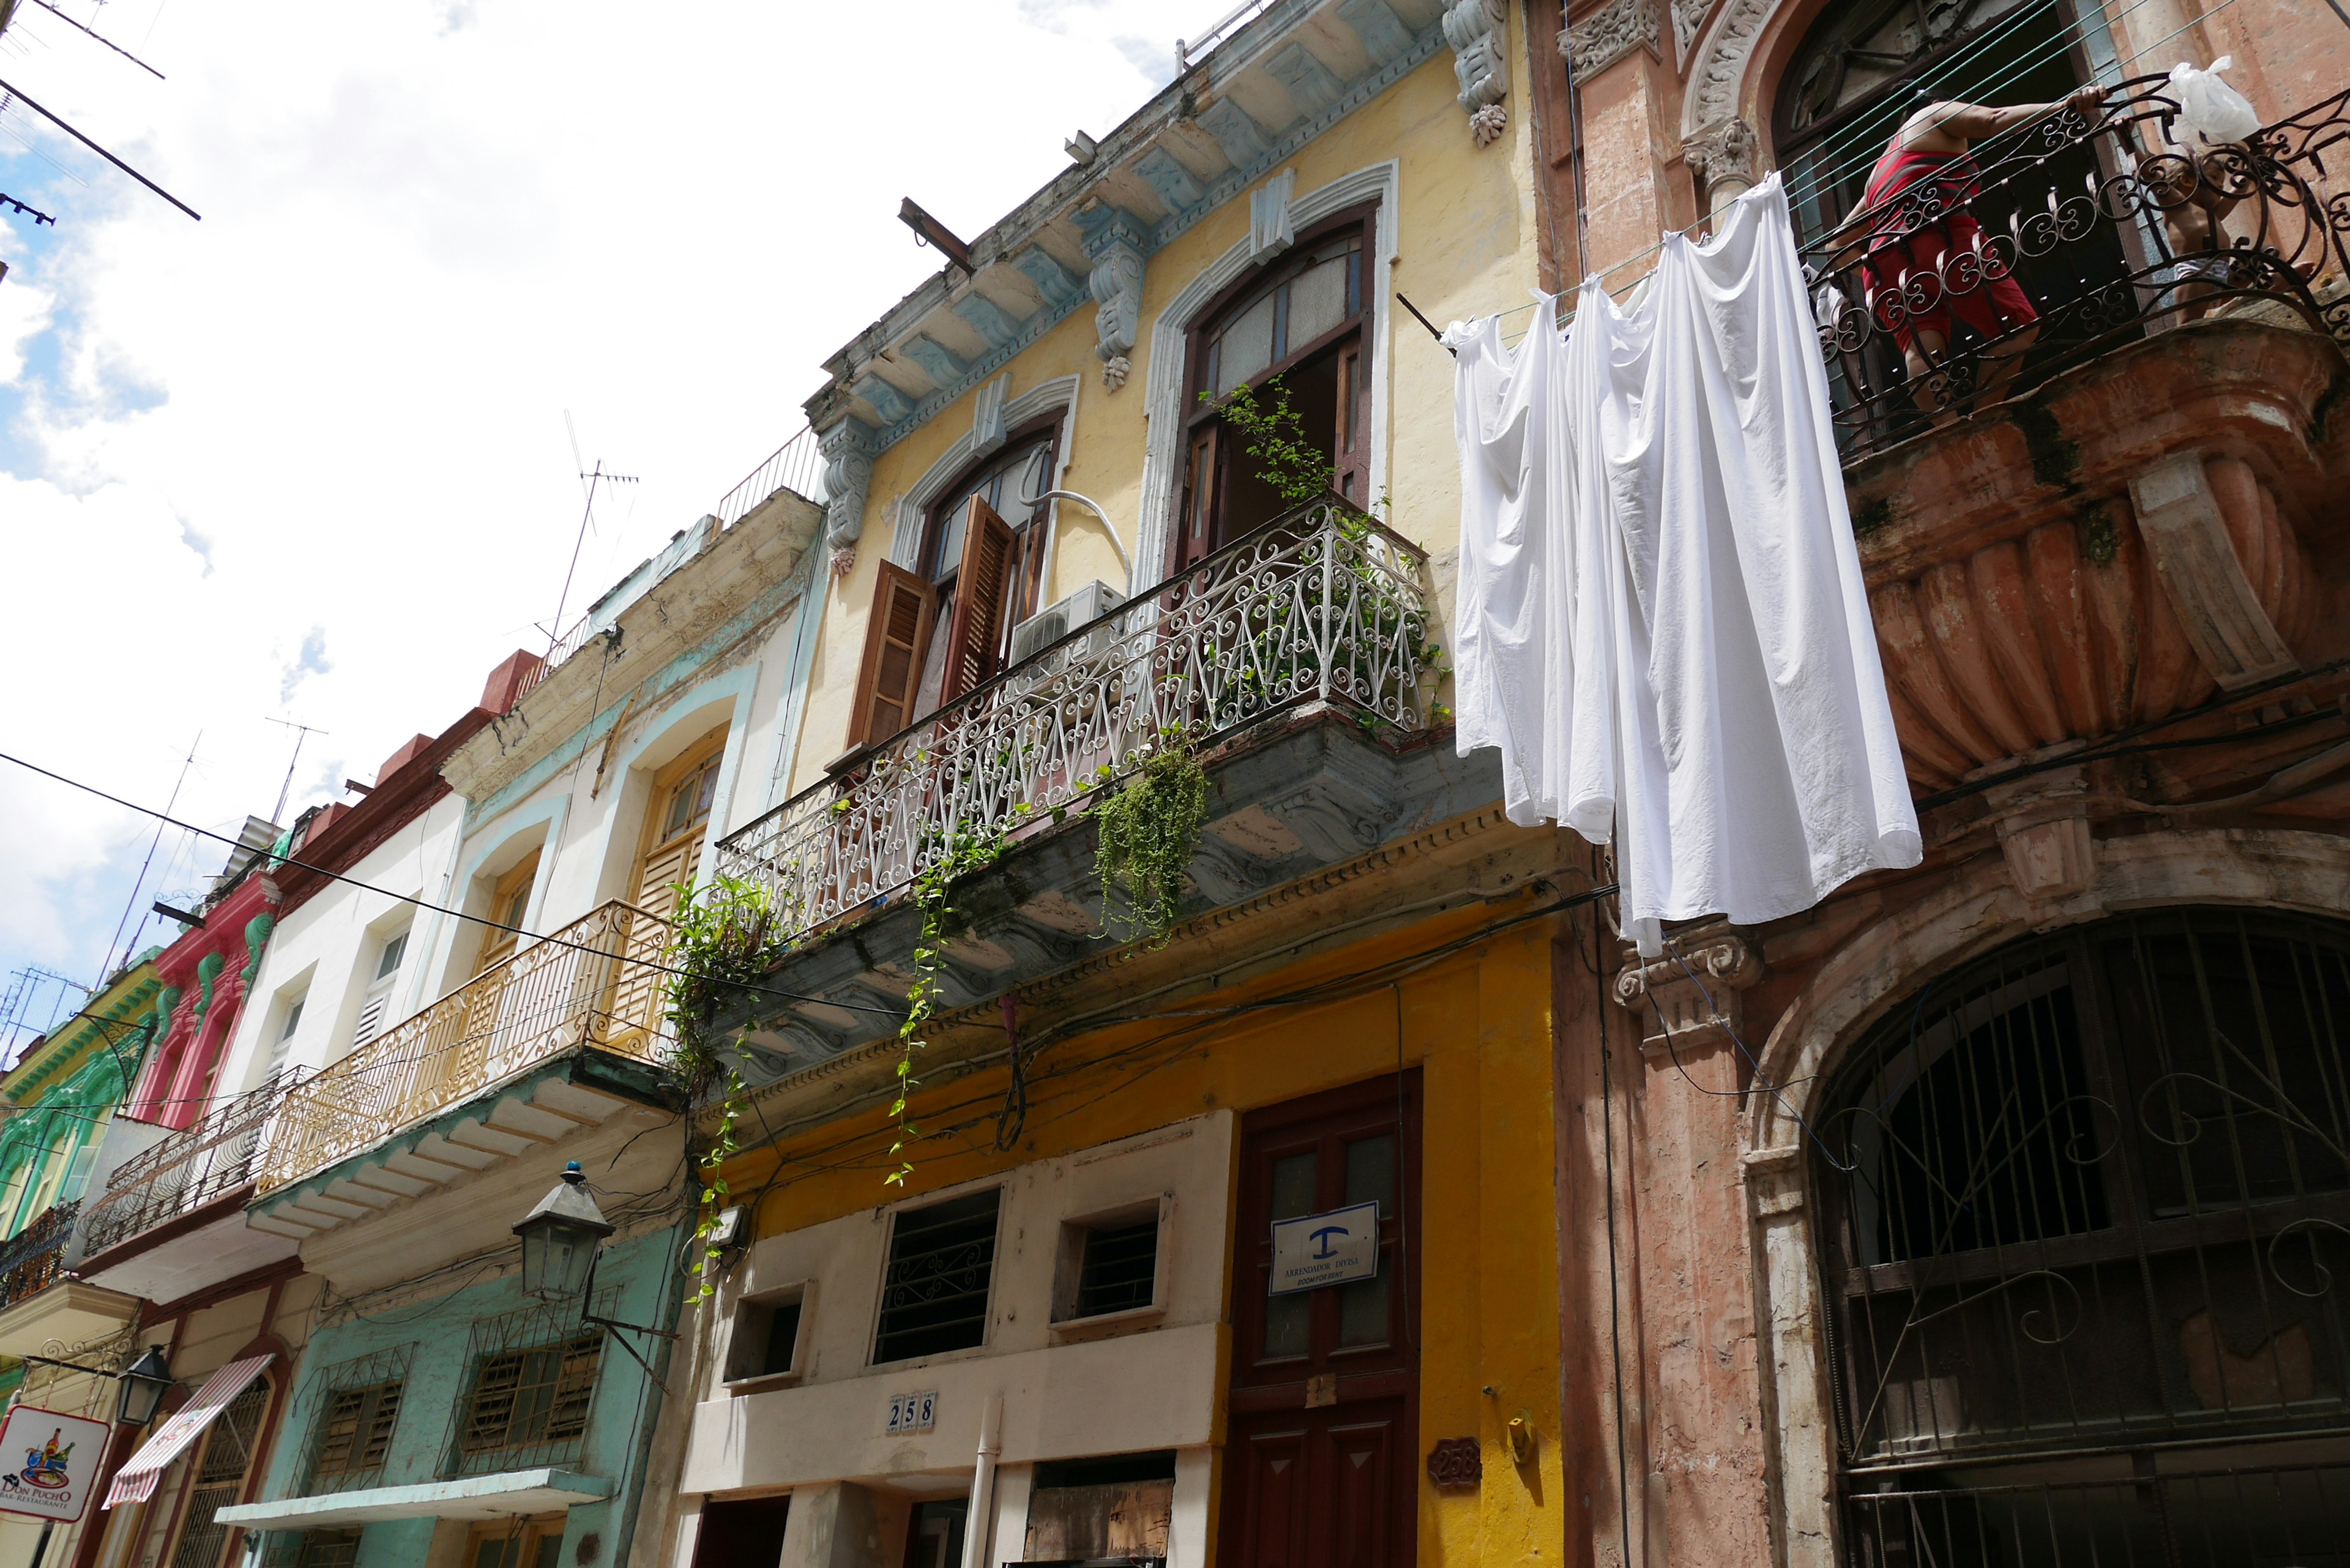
[(934, 1298), (328, 1549), (355, 1431), (220, 1478), (1120, 1268), (530, 1398), (2084, 1210)]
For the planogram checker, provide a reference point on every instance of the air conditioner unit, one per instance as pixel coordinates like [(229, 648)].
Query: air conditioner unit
[(1048, 626)]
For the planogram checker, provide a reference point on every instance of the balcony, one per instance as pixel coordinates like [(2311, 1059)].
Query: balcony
[(586, 992), (1324, 605), (2108, 232), (215, 1155), (33, 1260)]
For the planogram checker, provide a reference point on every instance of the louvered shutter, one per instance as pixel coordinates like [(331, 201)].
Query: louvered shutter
[(897, 639), (982, 588)]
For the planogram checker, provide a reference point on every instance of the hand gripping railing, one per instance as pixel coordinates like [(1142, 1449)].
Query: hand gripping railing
[(1324, 605), (596, 983), (2109, 231)]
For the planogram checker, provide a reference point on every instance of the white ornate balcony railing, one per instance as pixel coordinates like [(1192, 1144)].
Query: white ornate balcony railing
[(1324, 605), (592, 984), (213, 1155)]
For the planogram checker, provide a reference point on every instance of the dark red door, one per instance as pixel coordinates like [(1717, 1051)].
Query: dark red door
[(1319, 1456)]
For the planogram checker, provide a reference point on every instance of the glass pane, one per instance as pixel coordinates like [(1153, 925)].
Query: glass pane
[(1363, 1313), (550, 1550), (950, 540), (392, 950), (1371, 1172), (1293, 1185), (1246, 346), (1317, 301), (1286, 1319)]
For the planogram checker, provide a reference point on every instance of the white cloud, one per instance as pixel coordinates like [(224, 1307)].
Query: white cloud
[(306, 458)]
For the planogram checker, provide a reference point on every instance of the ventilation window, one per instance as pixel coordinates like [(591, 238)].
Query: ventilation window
[(941, 1257), (1109, 1264), (355, 1431), (530, 1398), (766, 1340)]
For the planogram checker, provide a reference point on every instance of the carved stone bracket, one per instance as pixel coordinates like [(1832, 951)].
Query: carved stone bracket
[(987, 430), (1692, 997), (1271, 229), (847, 448), (1117, 241), (1609, 34), (2202, 573), (1720, 158), (1477, 33)]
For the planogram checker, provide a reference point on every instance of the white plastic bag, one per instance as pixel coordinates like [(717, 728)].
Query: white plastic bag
[(2210, 112)]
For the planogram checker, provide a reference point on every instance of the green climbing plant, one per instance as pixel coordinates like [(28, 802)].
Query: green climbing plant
[(1274, 432), (1145, 833), (723, 941), (968, 850)]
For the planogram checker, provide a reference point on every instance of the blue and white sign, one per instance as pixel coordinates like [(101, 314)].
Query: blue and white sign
[(912, 1413), (1318, 1249)]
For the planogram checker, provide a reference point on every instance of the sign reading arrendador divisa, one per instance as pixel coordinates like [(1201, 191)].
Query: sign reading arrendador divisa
[(1318, 1249), (62, 1455)]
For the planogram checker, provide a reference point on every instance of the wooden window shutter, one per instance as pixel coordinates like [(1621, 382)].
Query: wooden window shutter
[(982, 588), (897, 639)]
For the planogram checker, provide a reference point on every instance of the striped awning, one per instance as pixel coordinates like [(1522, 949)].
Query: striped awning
[(135, 1483)]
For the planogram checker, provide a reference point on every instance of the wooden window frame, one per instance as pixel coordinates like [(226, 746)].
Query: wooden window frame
[(1206, 454), (653, 839), (863, 731), (371, 1424)]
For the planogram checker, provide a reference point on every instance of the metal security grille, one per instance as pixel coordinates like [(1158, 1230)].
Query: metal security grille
[(355, 1431), (935, 1297), (2085, 1207), (1120, 1266), (529, 1400), (220, 1478)]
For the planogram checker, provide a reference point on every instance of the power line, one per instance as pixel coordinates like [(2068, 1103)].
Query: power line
[(276, 859), (110, 43), (101, 152)]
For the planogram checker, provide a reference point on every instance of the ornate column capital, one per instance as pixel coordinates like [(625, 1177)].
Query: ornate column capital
[(1720, 157), (1692, 997), (1609, 34)]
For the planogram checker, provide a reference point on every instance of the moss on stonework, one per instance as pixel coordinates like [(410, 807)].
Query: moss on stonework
[(2056, 459), (1872, 514), (2093, 528)]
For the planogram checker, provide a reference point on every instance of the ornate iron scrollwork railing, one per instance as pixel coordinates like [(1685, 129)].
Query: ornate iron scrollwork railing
[(212, 1157), (2109, 231), (1323, 605), (596, 982), (31, 1260)]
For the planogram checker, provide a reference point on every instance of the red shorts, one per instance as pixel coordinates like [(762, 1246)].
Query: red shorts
[(1941, 266)]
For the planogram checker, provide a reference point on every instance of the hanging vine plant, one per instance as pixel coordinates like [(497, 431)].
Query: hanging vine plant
[(967, 851), (1145, 836), (722, 942)]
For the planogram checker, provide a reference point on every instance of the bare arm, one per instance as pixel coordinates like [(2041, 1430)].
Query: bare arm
[(1949, 127)]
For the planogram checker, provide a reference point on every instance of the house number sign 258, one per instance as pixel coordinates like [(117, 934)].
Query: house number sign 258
[(912, 1413)]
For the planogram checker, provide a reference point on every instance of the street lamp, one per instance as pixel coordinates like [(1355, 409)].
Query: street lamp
[(144, 1383), (560, 1240)]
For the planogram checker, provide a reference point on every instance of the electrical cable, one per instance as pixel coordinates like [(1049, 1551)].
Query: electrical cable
[(1615, 1325), (277, 860)]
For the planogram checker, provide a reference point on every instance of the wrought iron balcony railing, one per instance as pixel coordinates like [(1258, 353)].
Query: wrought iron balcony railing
[(2109, 232), (595, 983), (31, 1260), (1324, 605), (213, 1157)]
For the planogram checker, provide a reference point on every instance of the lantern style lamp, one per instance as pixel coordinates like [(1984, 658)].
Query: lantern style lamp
[(560, 1240), (144, 1383)]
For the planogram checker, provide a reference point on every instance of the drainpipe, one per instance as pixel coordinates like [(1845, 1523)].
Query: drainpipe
[(979, 1531)]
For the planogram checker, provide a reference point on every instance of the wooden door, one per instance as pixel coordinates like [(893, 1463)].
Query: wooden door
[(676, 819), (516, 1543), (1320, 1456), (509, 901)]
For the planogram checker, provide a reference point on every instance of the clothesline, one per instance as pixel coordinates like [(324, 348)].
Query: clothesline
[(1818, 180)]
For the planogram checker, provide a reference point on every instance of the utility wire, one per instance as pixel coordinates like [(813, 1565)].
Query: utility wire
[(275, 859), (110, 43), (101, 152)]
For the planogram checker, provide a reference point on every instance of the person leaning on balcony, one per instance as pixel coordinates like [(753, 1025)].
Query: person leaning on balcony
[(1934, 144)]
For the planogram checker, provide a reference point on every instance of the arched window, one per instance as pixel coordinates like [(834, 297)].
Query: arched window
[(1299, 321), (2085, 1221)]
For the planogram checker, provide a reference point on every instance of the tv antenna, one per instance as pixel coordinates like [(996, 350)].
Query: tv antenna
[(304, 732), (589, 478)]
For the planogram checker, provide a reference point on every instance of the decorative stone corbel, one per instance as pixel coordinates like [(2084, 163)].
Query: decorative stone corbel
[(2043, 822), (1607, 34), (1117, 241), (2218, 609), (847, 448), (1477, 33), (1720, 158), (1692, 998)]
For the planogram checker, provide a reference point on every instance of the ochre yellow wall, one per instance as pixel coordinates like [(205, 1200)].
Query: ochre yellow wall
[(1466, 245), (1477, 1024)]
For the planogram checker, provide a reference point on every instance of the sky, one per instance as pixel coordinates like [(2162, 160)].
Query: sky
[(312, 457)]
